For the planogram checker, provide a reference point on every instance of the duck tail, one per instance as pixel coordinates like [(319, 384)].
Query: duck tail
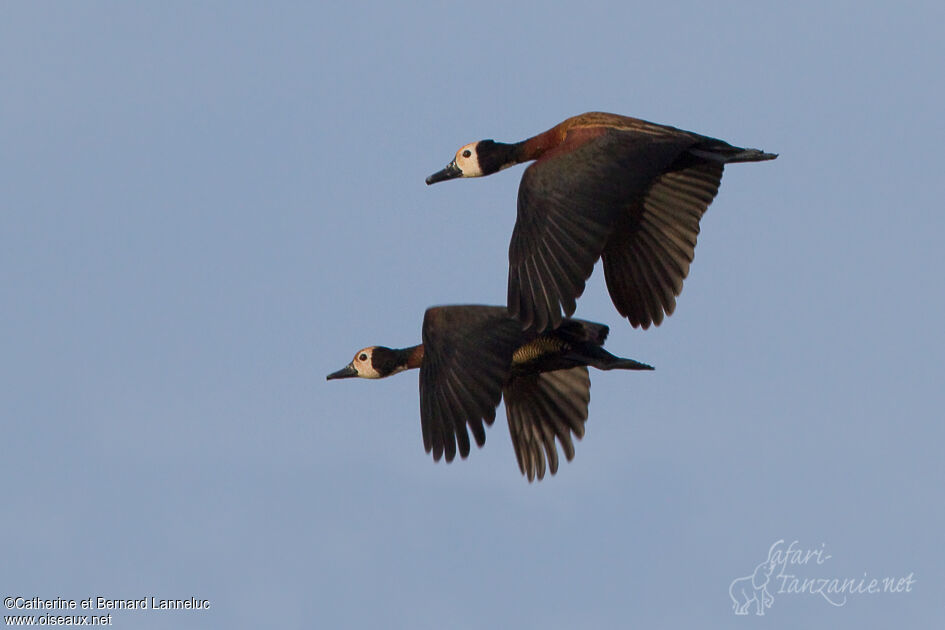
[(727, 154), (625, 364), (603, 360)]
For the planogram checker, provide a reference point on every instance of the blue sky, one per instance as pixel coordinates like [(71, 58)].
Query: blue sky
[(208, 207)]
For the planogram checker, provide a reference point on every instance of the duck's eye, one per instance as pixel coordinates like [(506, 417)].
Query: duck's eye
[(467, 153), (362, 357)]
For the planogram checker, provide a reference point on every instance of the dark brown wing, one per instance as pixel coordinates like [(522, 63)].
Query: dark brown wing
[(467, 358), (568, 206), (542, 407), (647, 257)]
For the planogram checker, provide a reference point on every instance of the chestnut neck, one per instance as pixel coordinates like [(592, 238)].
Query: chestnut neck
[(414, 356), (536, 146)]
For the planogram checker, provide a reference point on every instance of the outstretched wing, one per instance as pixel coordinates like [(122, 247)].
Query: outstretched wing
[(569, 203), (647, 257), (542, 407), (467, 358)]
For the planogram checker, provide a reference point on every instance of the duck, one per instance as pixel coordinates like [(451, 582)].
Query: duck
[(610, 187), (474, 355)]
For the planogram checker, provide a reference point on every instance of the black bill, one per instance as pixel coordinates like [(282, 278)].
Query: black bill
[(450, 172), (346, 372)]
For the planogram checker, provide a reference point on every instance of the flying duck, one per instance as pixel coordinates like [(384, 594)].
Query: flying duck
[(473, 355), (603, 186)]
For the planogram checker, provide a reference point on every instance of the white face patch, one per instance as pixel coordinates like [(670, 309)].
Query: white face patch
[(362, 363), (468, 161)]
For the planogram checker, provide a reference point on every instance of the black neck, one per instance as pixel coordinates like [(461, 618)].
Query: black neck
[(494, 156)]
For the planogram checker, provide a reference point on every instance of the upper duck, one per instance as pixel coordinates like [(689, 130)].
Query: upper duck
[(473, 355), (603, 186)]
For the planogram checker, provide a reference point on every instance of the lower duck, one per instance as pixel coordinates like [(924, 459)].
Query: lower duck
[(473, 355)]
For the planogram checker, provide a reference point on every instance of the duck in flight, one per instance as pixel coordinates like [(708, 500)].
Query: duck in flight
[(472, 356), (624, 190)]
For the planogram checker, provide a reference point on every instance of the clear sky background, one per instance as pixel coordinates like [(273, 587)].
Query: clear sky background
[(207, 207)]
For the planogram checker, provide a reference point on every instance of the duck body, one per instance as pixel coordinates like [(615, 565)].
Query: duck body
[(610, 187), (473, 355)]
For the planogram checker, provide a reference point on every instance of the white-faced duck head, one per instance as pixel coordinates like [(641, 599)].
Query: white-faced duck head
[(477, 159), (372, 362)]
